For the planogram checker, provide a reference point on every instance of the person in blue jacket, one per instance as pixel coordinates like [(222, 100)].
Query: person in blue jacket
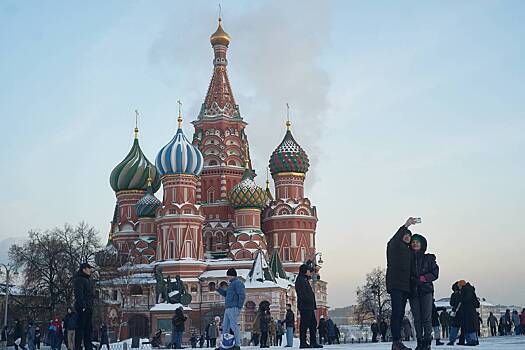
[(233, 303)]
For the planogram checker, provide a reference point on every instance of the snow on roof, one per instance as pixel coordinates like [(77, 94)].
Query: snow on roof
[(222, 273), (169, 307)]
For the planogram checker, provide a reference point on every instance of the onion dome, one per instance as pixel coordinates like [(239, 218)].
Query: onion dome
[(220, 37), (289, 156), (148, 204), (246, 194), (179, 156), (133, 172)]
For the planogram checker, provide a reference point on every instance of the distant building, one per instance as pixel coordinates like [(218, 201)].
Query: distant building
[(212, 216)]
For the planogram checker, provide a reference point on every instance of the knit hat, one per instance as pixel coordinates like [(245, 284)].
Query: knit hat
[(231, 272), (422, 240)]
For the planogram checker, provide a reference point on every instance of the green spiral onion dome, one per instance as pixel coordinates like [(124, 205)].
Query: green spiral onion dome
[(289, 157), (133, 172), (246, 194)]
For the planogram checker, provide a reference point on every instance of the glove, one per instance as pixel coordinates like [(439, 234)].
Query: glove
[(422, 279)]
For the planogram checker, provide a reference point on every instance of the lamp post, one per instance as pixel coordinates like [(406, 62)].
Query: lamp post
[(8, 267)]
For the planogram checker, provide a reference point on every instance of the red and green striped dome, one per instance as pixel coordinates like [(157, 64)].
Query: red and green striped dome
[(289, 157)]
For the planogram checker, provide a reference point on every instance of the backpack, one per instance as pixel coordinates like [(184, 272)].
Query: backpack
[(227, 341)]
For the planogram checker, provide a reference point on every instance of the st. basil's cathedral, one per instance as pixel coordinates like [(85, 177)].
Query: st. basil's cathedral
[(212, 216)]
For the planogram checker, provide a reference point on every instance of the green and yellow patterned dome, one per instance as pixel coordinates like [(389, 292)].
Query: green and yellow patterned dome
[(246, 194)]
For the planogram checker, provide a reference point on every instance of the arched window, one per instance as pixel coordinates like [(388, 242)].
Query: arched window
[(211, 195), (212, 287), (223, 284), (232, 163), (212, 162)]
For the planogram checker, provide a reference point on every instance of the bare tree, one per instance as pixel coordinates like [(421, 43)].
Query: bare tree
[(49, 259), (373, 301)]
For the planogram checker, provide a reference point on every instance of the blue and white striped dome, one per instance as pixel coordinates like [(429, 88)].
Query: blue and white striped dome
[(179, 156)]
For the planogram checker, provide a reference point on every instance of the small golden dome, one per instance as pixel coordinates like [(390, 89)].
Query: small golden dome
[(220, 37)]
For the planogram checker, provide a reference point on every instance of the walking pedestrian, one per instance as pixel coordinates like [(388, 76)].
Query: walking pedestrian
[(306, 305), (337, 334), (424, 272), (280, 331), (30, 337), (18, 335), (407, 329), (444, 319), (234, 301), (492, 323), (177, 324), (322, 330), (84, 295), (399, 262), (264, 324), (214, 332), (516, 322), (156, 340), (70, 326), (436, 325), (37, 337), (374, 328), (104, 337), (383, 326), (508, 322), (290, 325)]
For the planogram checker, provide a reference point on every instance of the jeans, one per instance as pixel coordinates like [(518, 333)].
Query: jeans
[(308, 322), (178, 339), (84, 330), (437, 332), (421, 307), (471, 338), (289, 336), (399, 300), (231, 321)]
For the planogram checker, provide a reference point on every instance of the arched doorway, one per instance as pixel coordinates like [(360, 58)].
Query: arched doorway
[(138, 326)]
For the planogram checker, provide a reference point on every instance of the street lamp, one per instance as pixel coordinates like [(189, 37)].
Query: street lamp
[(8, 267)]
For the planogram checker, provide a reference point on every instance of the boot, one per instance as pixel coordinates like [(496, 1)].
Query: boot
[(439, 342), (398, 345), (420, 345)]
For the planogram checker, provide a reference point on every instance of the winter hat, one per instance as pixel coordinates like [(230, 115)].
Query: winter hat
[(422, 240), (303, 268), (231, 272)]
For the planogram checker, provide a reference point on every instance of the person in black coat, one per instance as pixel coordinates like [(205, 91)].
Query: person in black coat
[(290, 325), (424, 272), (464, 303), (323, 331), (84, 295), (436, 325), (104, 337), (70, 326), (264, 324), (399, 262), (177, 323), (374, 327), (307, 306), (18, 335), (382, 329)]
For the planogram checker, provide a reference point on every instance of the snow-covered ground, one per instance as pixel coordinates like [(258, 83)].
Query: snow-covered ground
[(494, 343)]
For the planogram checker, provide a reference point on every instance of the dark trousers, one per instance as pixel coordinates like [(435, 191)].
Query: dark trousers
[(213, 342), (264, 339), (84, 330), (101, 344), (493, 331), (421, 307), (444, 332), (308, 321), (399, 301)]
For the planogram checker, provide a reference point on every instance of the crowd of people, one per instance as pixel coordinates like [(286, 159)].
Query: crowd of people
[(410, 274)]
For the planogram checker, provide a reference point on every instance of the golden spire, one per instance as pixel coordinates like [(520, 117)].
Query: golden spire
[(136, 131), (179, 119), (288, 122), (246, 159), (150, 180), (220, 37), (110, 238)]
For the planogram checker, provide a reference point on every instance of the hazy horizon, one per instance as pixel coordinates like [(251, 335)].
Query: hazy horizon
[(405, 109)]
